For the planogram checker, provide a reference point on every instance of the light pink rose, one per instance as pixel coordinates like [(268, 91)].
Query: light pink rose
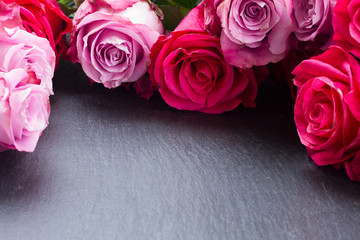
[(255, 32), (313, 20), (20, 49), (24, 111), (327, 112), (114, 4), (9, 16), (113, 45)]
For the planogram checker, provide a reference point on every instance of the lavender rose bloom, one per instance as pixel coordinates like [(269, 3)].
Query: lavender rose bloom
[(312, 19), (112, 40), (255, 32)]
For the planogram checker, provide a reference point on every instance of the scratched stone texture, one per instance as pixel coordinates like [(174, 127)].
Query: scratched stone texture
[(112, 165)]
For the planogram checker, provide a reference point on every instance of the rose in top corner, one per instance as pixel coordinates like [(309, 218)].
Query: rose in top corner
[(313, 21), (112, 39), (256, 30), (45, 19), (23, 50), (346, 22)]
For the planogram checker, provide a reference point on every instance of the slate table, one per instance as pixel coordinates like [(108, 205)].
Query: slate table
[(112, 165)]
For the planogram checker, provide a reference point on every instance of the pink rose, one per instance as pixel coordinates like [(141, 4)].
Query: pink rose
[(24, 111), (114, 4), (20, 49), (256, 30), (113, 45), (353, 167), (45, 19), (346, 24), (312, 20), (10, 16), (327, 113), (191, 73)]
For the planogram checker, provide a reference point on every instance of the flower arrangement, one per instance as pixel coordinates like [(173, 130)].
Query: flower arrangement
[(206, 56)]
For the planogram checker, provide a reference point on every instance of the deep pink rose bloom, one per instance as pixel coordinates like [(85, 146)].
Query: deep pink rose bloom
[(255, 32), (353, 167), (346, 24), (327, 112), (24, 111), (22, 50), (192, 74), (112, 40), (313, 20), (45, 19)]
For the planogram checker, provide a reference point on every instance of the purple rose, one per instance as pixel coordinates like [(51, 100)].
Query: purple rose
[(312, 19), (113, 45), (255, 32)]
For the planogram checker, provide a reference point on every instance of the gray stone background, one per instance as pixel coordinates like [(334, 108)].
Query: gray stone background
[(112, 165)]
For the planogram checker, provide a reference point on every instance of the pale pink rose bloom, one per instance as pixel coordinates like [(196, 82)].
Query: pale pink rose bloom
[(20, 49), (255, 32), (9, 17), (113, 45), (115, 4), (24, 111)]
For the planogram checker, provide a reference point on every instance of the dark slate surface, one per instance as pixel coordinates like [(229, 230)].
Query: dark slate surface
[(112, 165)]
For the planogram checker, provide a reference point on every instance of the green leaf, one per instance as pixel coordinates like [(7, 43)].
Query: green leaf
[(172, 16), (67, 10), (189, 4)]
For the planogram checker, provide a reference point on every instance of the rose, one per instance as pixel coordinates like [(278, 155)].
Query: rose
[(353, 167), (346, 22), (24, 111), (256, 30), (113, 46), (312, 20), (115, 4), (9, 16), (20, 49), (191, 73), (327, 113), (45, 19)]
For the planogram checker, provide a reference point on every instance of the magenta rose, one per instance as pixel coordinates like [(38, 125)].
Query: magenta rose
[(191, 72), (112, 40), (256, 30), (346, 24), (313, 20), (24, 111), (23, 50), (327, 113), (353, 167)]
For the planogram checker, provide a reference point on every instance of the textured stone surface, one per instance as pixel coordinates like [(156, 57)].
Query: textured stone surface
[(114, 166)]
